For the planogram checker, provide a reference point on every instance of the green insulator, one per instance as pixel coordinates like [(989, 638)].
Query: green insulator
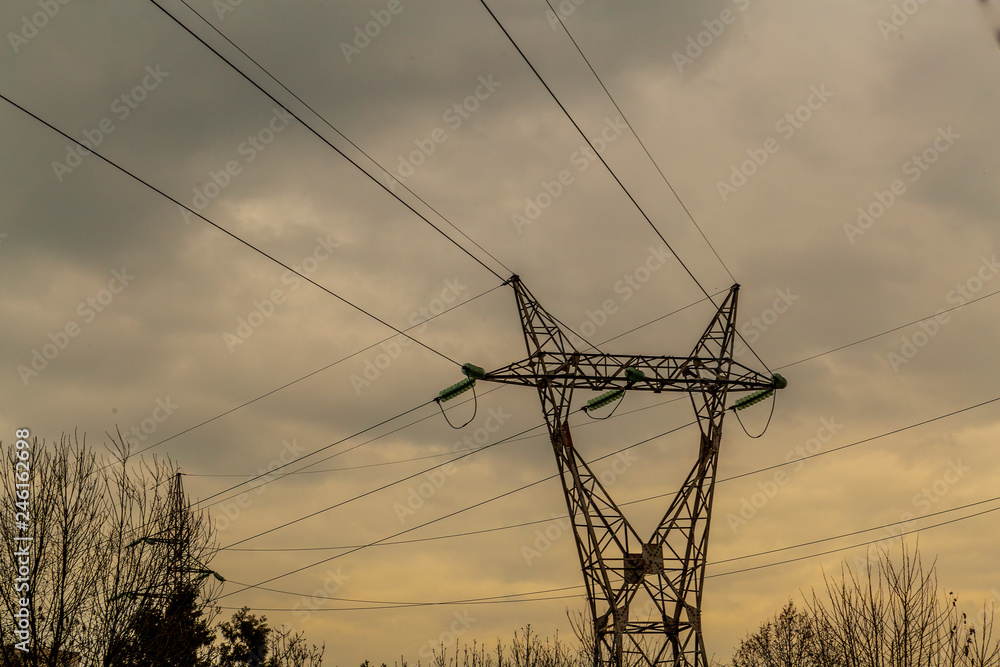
[(456, 389), (603, 399), (633, 375), (779, 381), (752, 399), (473, 371)]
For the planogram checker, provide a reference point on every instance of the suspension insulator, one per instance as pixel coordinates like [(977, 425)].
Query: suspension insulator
[(752, 399), (603, 399), (777, 382), (456, 389), (473, 371)]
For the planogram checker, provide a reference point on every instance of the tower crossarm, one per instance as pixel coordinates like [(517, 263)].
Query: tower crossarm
[(602, 372)]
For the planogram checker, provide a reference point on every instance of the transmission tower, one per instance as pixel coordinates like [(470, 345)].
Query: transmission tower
[(620, 568)]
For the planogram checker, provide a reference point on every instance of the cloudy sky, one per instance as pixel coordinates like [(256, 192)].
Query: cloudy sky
[(840, 156)]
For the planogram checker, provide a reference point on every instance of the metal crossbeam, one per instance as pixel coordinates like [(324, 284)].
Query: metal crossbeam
[(668, 569)]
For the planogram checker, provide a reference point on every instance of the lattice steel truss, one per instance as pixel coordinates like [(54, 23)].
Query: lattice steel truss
[(618, 565)]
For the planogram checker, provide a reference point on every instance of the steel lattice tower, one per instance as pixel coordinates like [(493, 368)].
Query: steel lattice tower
[(618, 565)]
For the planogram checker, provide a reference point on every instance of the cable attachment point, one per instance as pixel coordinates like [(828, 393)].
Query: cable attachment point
[(472, 373), (632, 375)]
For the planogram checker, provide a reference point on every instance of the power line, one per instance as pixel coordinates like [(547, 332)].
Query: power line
[(663, 495), (484, 600), (226, 231), (321, 449), (899, 430), (270, 480), (341, 134), (889, 331), (608, 167), (321, 137), (368, 493), (392, 604), (303, 469), (587, 139), (634, 134), (455, 513), (853, 546), (794, 363), (305, 377), (859, 532)]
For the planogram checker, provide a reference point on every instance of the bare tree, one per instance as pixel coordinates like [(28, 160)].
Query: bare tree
[(791, 639), (892, 614), (100, 549)]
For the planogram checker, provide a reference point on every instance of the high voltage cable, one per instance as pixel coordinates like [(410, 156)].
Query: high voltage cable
[(451, 514), (653, 321), (361, 444), (793, 363), (321, 449), (321, 137), (742, 474), (720, 481), (420, 604), (865, 530), (247, 587), (634, 134), (413, 603), (779, 465), (303, 471), (853, 546), (309, 375), (587, 139), (631, 502), (226, 231), (371, 491), (342, 135), (608, 167), (901, 326), (394, 605)]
